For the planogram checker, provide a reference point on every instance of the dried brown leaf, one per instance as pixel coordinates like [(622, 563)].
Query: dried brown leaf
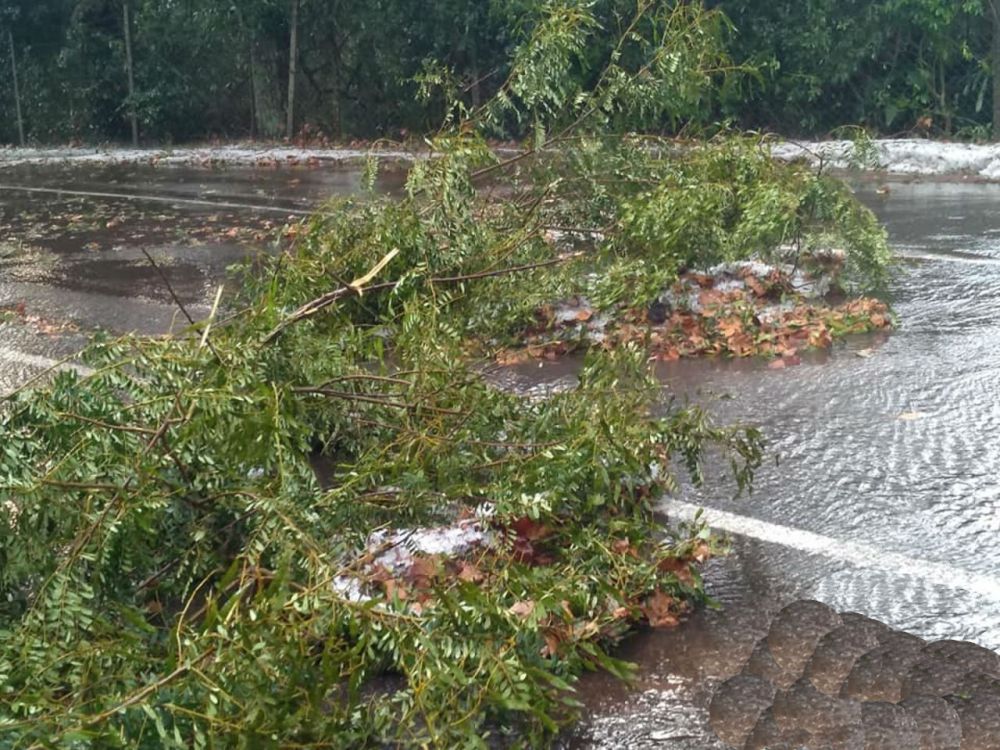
[(523, 609)]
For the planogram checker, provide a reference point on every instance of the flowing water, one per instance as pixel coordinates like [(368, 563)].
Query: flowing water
[(896, 453)]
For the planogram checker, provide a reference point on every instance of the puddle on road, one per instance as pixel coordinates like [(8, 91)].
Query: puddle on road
[(73, 256), (75, 210)]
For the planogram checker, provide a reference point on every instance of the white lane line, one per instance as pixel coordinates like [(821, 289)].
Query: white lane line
[(44, 363), (932, 573), (158, 199), (944, 258)]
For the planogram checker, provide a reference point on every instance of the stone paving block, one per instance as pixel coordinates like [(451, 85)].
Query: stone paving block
[(837, 651), (767, 735), (879, 674), (796, 630), (762, 664), (889, 727), (945, 664), (737, 706), (938, 722), (822, 681), (803, 706), (976, 700)]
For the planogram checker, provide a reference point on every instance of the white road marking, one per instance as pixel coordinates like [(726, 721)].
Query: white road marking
[(947, 258), (859, 555), (158, 199)]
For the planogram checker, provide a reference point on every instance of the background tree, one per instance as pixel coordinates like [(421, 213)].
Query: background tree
[(223, 68), (889, 64), (994, 8)]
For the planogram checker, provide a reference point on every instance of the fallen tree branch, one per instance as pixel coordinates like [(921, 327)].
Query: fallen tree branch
[(356, 287), (319, 304)]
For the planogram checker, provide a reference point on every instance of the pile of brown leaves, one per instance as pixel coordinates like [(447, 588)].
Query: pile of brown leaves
[(422, 577), (757, 316)]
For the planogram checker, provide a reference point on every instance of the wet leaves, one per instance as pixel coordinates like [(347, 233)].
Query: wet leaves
[(418, 585), (742, 325), (469, 573), (660, 610), (624, 547), (743, 317), (422, 572), (530, 529), (20, 313), (528, 535), (680, 568)]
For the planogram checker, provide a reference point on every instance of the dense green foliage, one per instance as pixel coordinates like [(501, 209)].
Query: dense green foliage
[(207, 68), (173, 573), (892, 65)]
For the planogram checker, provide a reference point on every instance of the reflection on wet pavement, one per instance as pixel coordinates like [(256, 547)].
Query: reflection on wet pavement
[(72, 261), (73, 256), (897, 451)]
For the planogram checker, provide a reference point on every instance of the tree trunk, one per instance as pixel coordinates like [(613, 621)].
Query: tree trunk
[(477, 92), (995, 13), (945, 106), (293, 54), (338, 113), (17, 91), (253, 92), (268, 91), (131, 76)]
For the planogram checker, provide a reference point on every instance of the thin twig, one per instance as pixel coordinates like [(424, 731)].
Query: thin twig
[(169, 286), (177, 301), (505, 271), (211, 318), (319, 304), (90, 486), (139, 695), (107, 425), (347, 396), (374, 378)]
